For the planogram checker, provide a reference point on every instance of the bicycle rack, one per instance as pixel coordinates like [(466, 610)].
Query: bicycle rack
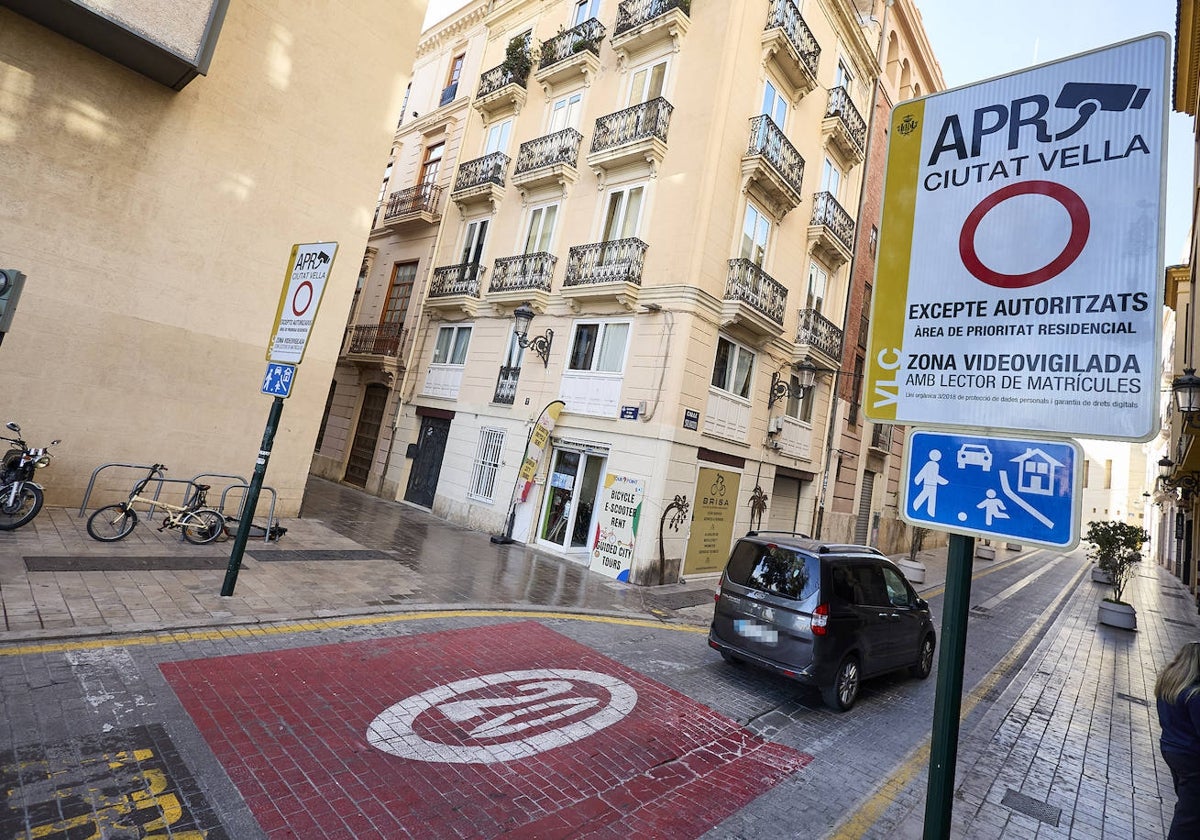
[(157, 480), (271, 520)]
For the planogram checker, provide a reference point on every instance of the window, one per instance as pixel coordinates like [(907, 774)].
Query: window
[(774, 569), (648, 83), (585, 10), (856, 392), (399, 294), (624, 213), (1108, 475), (456, 67), (387, 176), (800, 403), (487, 464), (565, 112), (817, 280), (732, 368), (873, 242), (897, 592), (864, 318), (541, 228), (472, 251), (774, 104), (451, 347), (844, 77), (831, 178), (1087, 466), (497, 137), (755, 229), (599, 346), (432, 163), (325, 416)]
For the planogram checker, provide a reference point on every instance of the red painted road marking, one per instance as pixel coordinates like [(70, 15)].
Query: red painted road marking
[(291, 729)]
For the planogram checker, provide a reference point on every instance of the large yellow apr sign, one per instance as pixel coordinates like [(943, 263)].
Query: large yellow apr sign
[(1019, 271)]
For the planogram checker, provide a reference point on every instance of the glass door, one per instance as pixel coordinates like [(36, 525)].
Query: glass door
[(572, 487)]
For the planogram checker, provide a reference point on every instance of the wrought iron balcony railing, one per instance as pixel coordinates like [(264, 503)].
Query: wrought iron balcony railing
[(506, 385), (768, 141), (523, 272), (828, 213), (748, 283), (784, 16), (561, 147), (423, 198), (641, 122), (461, 279), (633, 13), (377, 339), (488, 169), (842, 107), (616, 261), (492, 80), (820, 333), (586, 36), (448, 94)]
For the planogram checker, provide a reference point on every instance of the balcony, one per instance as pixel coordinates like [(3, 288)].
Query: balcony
[(772, 168), (501, 92), (378, 346), (844, 128), (604, 271), (421, 203), (480, 180), (794, 438), (526, 277), (727, 416), (448, 93), (549, 160), (790, 49), (881, 437), (831, 229), (753, 299), (570, 56), (455, 287), (506, 385), (645, 24), (818, 341), (638, 133)]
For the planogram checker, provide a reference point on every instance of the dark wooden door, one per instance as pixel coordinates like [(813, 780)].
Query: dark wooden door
[(366, 436), (427, 465)]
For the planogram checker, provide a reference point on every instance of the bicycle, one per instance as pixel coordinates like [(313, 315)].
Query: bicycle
[(199, 523)]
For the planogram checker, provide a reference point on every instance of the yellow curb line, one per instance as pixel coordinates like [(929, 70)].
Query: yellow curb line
[(865, 818)]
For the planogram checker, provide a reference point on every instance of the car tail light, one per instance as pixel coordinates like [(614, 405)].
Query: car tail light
[(820, 619)]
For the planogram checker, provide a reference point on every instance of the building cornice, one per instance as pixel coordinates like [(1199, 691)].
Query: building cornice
[(1187, 57), (452, 29)]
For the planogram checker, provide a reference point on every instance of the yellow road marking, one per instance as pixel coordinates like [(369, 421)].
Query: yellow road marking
[(865, 817), (247, 631)]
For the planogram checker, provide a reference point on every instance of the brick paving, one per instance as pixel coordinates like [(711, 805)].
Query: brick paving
[(1071, 740)]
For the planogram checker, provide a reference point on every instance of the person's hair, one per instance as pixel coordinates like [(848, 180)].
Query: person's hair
[(1180, 679)]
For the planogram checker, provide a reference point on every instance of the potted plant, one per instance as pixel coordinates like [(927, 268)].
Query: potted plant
[(1116, 546), (518, 60)]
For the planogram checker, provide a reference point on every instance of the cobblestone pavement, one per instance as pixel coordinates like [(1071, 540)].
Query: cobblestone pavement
[(1060, 740)]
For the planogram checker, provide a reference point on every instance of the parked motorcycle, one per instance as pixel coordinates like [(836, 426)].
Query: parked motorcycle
[(20, 497)]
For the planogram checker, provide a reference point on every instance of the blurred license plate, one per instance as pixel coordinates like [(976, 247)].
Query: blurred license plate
[(758, 632)]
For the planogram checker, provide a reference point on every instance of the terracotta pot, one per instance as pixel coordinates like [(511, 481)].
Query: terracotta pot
[(1118, 615)]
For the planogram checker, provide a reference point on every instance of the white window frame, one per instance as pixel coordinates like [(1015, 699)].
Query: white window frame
[(756, 233), (486, 466), (498, 135), (642, 83), (831, 178), (584, 10), (539, 234), (818, 284), (604, 325), (774, 104), (457, 347), (565, 112), (844, 77), (621, 197), (738, 351), (800, 407), (475, 240)]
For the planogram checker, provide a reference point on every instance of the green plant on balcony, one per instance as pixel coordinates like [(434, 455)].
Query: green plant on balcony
[(517, 59), (588, 44)]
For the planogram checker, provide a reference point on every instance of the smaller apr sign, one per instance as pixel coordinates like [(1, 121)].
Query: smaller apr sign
[(304, 285), (1025, 490)]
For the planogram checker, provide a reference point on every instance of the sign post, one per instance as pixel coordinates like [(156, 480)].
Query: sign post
[(1017, 289), (303, 287)]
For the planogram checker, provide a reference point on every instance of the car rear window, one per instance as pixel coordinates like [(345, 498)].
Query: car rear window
[(774, 569)]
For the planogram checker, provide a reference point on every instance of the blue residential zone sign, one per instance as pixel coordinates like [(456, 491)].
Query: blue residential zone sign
[(994, 487), (278, 381)]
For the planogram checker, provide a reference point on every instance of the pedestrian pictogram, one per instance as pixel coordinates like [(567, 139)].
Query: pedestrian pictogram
[(278, 380), (993, 487)]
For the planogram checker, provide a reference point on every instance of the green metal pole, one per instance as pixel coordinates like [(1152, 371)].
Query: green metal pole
[(251, 501), (943, 749)]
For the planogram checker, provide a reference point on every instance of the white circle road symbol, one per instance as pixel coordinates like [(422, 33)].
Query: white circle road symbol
[(496, 721), (300, 310)]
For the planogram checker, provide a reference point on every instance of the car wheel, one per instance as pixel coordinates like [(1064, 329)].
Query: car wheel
[(924, 663), (840, 696)]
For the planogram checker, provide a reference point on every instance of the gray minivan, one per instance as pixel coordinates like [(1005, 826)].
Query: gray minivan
[(826, 614)]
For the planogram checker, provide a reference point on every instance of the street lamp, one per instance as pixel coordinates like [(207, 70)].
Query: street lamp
[(1186, 389), (523, 315), (805, 375)]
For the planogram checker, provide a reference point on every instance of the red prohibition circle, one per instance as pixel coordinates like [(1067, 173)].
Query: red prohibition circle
[(1081, 225), (300, 310)]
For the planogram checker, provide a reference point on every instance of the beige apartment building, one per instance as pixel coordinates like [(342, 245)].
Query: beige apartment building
[(608, 307), (157, 164)]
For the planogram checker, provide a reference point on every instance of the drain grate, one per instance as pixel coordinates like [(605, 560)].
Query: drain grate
[(1133, 699), (1030, 807), (124, 563), (317, 554)]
